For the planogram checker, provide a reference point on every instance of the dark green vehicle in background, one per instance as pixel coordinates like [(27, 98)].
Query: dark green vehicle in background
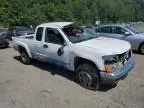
[(3, 38)]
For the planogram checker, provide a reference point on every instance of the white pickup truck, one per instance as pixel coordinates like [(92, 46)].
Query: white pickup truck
[(96, 60)]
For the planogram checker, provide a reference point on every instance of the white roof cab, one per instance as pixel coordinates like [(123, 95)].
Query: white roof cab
[(95, 59), (56, 24)]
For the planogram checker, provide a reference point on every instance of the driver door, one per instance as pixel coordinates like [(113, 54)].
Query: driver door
[(55, 43)]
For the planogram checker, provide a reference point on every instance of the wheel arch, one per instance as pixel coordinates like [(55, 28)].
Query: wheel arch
[(22, 47), (80, 60), (140, 45)]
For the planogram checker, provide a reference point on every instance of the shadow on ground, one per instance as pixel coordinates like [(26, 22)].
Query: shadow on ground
[(2, 48), (54, 69), (137, 52)]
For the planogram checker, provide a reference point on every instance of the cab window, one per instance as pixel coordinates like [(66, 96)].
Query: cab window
[(39, 34), (53, 36)]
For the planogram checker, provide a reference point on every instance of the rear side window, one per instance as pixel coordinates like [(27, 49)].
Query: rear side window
[(99, 30), (106, 29), (39, 34), (103, 30)]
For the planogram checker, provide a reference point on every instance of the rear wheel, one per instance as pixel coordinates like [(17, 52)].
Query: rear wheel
[(88, 76), (6, 45), (25, 59), (141, 48)]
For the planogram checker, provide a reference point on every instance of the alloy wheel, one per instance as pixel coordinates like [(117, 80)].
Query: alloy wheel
[(85, 79)]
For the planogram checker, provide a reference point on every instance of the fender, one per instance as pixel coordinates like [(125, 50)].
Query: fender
[(24, 45), (93, 58)]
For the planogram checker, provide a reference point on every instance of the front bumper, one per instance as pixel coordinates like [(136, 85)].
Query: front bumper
[(114, 77)]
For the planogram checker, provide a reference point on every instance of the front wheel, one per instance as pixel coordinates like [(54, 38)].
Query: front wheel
[(141, 48), (25, 59), (88, 76)]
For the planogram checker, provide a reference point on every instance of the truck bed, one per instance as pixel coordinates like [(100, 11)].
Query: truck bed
[(27, 40), (20, 38)]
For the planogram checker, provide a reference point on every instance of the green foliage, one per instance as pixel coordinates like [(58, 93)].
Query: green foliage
[(81, 11)]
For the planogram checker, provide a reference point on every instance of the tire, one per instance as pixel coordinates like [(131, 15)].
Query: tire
[(141, 48), (25, 59), (7, 45), (88, 77)]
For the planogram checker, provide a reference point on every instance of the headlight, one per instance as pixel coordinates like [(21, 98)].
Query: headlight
[(112, 63)]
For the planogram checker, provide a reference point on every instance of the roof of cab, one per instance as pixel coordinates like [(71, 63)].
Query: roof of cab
[(55, 24)]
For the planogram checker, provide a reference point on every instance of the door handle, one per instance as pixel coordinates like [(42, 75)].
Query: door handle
[(45, 46)]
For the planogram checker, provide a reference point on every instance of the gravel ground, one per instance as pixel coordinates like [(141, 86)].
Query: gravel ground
[(43, 85)]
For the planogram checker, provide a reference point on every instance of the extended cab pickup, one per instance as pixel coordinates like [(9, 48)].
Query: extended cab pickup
[(95, 60)]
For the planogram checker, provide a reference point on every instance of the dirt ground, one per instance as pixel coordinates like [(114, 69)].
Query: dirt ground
[(43, 85)]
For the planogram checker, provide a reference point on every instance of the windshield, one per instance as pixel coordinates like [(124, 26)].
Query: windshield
[(76, 34), (134, 30)]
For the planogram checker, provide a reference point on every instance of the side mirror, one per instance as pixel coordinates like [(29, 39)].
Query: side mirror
[(127, 33), (60, 51)]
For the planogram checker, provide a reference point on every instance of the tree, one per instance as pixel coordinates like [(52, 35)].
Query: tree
[(81, 11)]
